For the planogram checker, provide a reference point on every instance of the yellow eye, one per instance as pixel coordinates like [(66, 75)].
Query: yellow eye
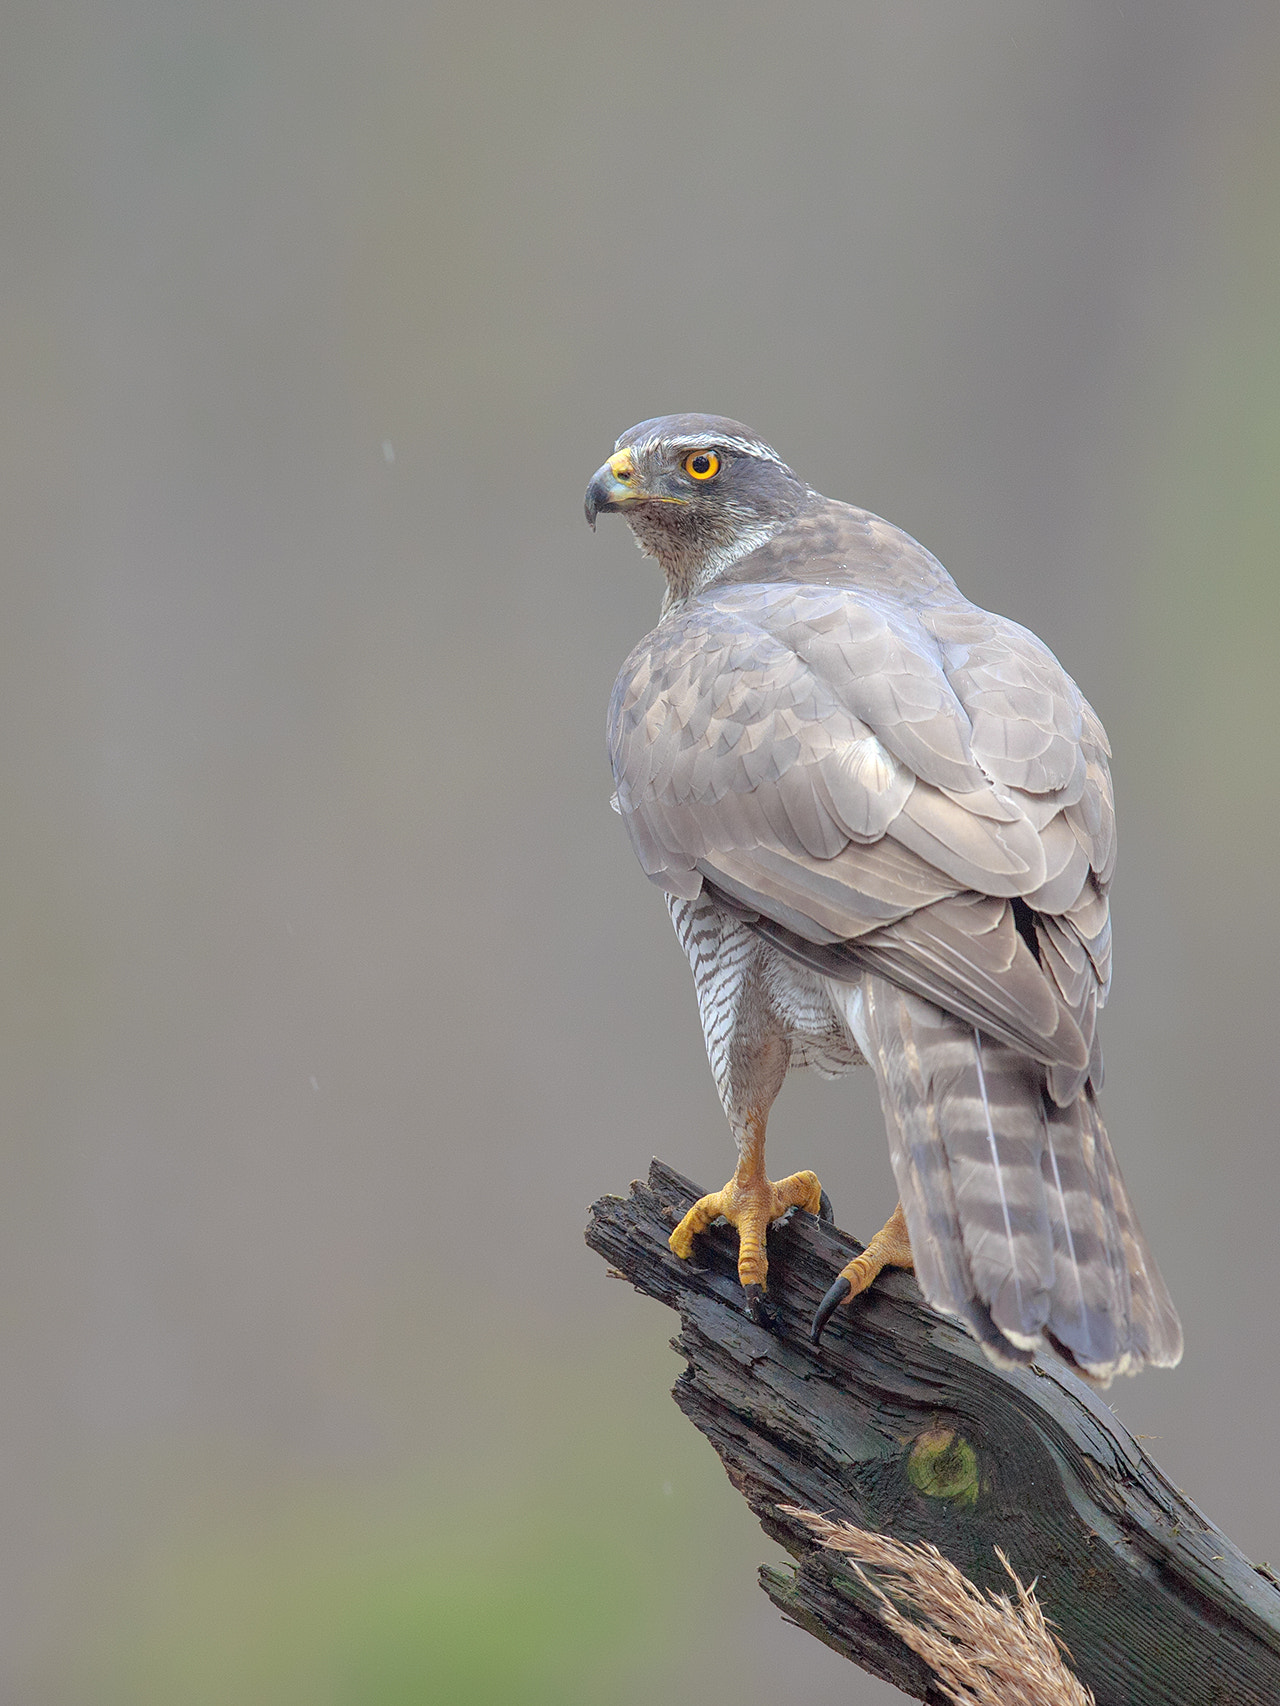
[(701, 464)]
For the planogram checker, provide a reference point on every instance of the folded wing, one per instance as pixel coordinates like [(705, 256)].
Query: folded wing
[(911, 786)]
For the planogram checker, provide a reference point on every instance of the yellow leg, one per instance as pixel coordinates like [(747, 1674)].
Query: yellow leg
[(890, 1248), (750, 1201)]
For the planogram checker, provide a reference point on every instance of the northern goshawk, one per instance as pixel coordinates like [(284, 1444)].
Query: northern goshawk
[(883, 821)]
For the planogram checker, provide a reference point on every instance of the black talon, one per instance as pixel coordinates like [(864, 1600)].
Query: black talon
[(759, 1307), (827, 1308), (825, 1210)]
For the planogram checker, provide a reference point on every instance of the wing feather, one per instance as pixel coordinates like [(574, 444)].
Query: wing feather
[(967, 956), (837, 754)]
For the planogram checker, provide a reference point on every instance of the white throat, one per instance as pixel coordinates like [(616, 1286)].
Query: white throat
[(689, 570)]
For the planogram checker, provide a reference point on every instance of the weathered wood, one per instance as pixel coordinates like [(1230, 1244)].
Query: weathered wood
[(898, 1423)]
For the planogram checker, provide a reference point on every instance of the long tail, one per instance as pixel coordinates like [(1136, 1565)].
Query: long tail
[(1020, 1223)]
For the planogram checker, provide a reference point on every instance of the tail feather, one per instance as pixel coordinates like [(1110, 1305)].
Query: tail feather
[(1019, 1220), (992, 1138), (1092, 1293), (1156, 1329), (919, 1159)]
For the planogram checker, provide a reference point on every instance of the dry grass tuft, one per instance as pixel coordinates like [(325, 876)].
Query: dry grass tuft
[(984, 1649)]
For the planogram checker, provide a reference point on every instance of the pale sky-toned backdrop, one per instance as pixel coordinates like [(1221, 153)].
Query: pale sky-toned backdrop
[(332, 992)]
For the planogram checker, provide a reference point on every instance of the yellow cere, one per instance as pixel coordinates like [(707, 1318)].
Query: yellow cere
[(701, 464)]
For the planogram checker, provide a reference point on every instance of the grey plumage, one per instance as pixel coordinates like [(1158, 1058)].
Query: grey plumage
[(1019, 1219), (884, 818)]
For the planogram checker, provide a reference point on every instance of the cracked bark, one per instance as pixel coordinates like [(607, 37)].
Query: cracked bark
[(898, 1423)]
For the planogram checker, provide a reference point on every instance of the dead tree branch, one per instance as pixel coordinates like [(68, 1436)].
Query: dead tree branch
[(897, 1423)]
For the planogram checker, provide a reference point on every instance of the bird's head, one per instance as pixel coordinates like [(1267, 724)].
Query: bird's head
[(698, 492)]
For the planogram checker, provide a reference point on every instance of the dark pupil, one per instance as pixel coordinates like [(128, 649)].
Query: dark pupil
[(700, 464)]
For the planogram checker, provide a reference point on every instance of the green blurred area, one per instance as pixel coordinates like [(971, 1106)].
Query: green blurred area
[(574, 1573)]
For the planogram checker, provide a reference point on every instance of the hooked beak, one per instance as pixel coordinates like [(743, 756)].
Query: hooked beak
[(613, 487)]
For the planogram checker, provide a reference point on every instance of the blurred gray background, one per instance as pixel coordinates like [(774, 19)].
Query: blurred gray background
[(329, 1005)]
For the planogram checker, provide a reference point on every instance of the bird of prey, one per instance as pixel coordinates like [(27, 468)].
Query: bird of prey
[(883, 821)]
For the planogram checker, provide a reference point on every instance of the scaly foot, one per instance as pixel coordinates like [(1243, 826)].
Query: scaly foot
[(750, 1202), (889, 1248)]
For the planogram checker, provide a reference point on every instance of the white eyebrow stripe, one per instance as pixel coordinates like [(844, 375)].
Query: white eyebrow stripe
[(704, 440)]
